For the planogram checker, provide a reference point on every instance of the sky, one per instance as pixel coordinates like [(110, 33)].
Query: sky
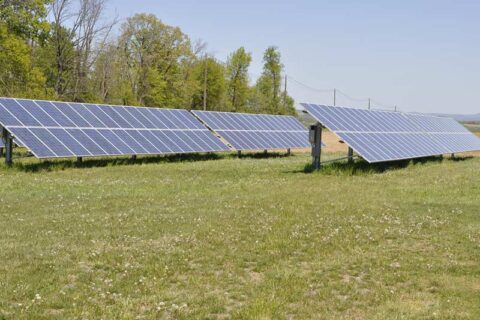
[(419, 55)]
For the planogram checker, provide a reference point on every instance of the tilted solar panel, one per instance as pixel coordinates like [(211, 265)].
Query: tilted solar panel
[(59, 129), (384, 136), (256, 131), (446, 132)]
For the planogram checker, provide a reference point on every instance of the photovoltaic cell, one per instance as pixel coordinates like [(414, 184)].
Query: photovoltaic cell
[(60, 129), (256, 131), (384, 136)]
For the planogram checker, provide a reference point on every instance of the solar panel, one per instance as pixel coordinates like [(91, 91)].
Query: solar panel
[(384, 135), (447, 132), (256, 131), (59, 129)]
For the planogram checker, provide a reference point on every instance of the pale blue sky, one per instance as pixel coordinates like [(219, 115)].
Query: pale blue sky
[(420, 55)]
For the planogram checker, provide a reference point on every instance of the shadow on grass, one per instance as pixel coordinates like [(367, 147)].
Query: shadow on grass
[(362, 167), (263, 155), (63, 164)]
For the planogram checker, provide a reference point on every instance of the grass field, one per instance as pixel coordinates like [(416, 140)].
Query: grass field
[(218, 237)]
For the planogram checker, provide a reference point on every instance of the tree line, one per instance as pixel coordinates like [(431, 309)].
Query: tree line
[(65, 50)]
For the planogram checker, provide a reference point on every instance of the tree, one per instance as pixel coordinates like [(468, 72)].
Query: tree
[(214, 81), (157, 57), (57, 61), (25, 18), (18, 76), (22, 23), (77, 31), (237, 78), (269, 82)]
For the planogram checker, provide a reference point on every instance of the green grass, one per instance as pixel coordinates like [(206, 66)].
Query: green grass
[(215, 237)]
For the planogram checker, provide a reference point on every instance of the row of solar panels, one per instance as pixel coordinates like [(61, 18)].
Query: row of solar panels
[(385, 136), (58, 129)]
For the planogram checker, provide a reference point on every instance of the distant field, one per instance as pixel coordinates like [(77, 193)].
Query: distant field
[(219, 237), (474, 127)]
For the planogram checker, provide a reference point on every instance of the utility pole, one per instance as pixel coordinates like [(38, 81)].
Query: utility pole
[(285, 95), (205, 77), (334, 97), (369, 102)]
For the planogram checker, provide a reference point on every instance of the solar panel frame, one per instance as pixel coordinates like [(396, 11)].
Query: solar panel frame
[(246, 131), (372, 133), (99, 130)]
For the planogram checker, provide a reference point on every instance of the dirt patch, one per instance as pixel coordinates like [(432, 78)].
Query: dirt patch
[(332, 142)]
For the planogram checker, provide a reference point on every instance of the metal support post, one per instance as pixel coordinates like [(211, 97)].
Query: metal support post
[(288, 152), (350, 155), (316, 141), (134, 157), (79, 159), (239, 153), (8, 141)]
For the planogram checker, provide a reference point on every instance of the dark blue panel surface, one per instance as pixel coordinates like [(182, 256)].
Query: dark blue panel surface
[(256, 131), (130, 141), (19, 112), (117, 141), (101, 115), (143, 141), (54, 144), (179, 139), (167, 140), (115, 114), (38, 113), (141, 117), (159, 144), (87, 142), (68, 140), (86, 114), (102, 142), (385, 136), (38, 148), (7, 118), (163, 117), (60, 117), (76, 129)]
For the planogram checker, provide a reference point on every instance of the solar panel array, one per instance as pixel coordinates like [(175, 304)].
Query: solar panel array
[(447, 132), (384, 136), (58, 129), (256, 132)]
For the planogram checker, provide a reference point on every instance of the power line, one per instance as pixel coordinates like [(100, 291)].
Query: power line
[(368, 101), (309, 87)]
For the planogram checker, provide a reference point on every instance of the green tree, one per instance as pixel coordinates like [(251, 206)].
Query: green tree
[(22, 24), (18, 76), (25, 18), (56, 58), (211, 73), (156, 56), (269, 84), (237, 78)]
